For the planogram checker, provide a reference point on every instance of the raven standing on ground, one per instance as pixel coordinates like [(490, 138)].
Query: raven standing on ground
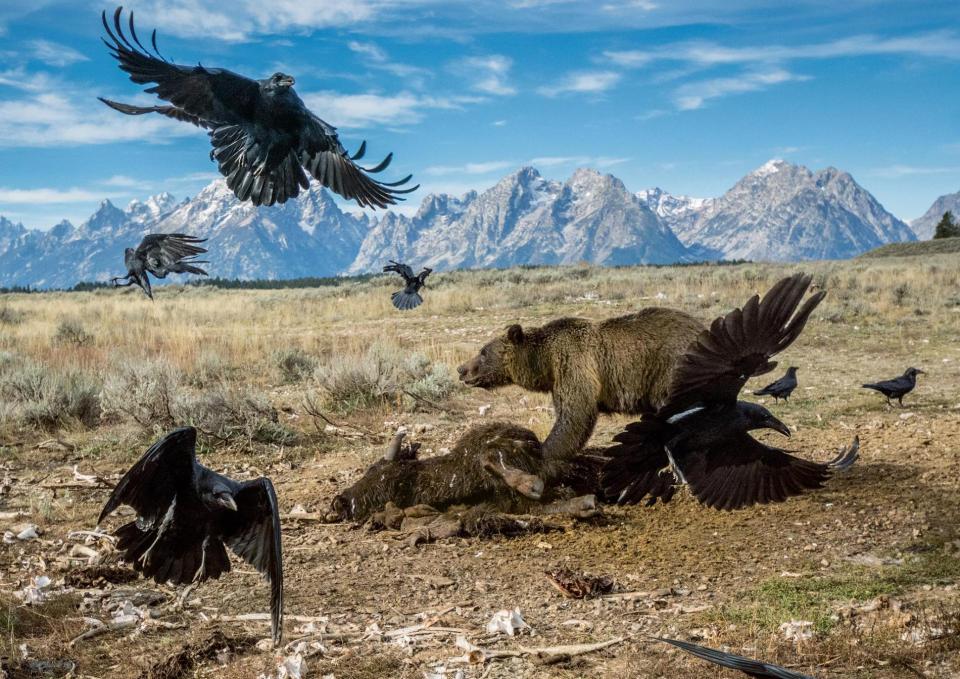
[(409, 297), (263, 135), (186, 513), (160, 254), (898, 387), (700, 436), (752, 668), (782, 388)]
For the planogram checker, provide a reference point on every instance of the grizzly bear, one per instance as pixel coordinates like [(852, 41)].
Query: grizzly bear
[(620, 365)]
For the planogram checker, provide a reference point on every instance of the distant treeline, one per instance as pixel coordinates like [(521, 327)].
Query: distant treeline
[(315, 282)]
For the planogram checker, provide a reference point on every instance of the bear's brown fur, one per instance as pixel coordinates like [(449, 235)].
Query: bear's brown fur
[(620, 365)]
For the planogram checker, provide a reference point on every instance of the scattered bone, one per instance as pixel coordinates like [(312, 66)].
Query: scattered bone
[(507, 622), (797, 630), (545, 655)]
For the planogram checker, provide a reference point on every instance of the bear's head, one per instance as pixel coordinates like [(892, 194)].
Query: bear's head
[(494, 366)]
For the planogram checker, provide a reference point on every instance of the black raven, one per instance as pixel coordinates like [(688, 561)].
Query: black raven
[(700, 436), (782, 388), (262, 133), (409, 297), (160, 254), (752, 668), (899, 386), (186, 513)]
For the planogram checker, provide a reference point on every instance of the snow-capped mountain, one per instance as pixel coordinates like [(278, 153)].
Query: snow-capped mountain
[(670, 207), (526, 219), (778, 212), (306, 237), (786, 212), (922, 226)]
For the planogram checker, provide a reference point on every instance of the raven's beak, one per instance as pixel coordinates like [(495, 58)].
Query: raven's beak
[(921, 372), (288, 81), (226, 499), (775, 424)]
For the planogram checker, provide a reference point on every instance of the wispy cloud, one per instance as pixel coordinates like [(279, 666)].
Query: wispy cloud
[(694, 95), (48, 196), (593, 161), (370, 109), (489, 74), (942, 44), (70, 118), (469, 168), (376, 57), (53, 54), (584, 82), (897, 171)]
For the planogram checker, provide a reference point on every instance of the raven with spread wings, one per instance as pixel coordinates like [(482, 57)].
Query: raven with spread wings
[(187, 515), (263, 135), (160, 254), (409, 297), (700, 436)]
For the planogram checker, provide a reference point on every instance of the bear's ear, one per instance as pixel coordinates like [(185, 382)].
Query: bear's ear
[(515, 334)]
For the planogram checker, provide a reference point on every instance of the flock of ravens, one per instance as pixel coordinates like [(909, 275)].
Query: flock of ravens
[(265, 143)]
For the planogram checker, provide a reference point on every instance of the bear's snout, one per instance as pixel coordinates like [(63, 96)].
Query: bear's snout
[(468, 371)]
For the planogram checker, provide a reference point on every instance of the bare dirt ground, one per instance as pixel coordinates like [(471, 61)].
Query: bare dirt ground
[(871, 562)]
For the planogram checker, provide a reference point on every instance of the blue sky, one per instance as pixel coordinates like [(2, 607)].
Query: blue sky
[(686, 95)]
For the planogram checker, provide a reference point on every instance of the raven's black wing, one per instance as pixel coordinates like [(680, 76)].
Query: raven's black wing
[(168, 111), (752, 668), (893, 386), (739, 345), (639, 467), (402, 269), (774, 387), (165, 471), (741, 471), (253, 533), (214, 95), (325, 158), (170, 539), (161, 252)]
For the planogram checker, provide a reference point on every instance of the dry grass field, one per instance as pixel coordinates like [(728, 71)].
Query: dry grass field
[(88, 380)]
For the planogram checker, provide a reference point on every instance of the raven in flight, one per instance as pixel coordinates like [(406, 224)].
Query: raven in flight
[(409, 297), (263, 135), (752, 668), (186, 513), (160, 254), (700, 436), (899, 386), (782, 388)]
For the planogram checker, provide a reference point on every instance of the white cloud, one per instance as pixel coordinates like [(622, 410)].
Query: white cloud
[(48, 196), (369, 109), (694, 95), (53, 54), (586, 82), (942, 44), (75, 118), (469, 168), (241, 20), (489, 74), (897, 171), (375, 57), (595, 161), (499, 123)]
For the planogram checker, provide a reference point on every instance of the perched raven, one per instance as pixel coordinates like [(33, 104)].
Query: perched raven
[(186, 513), (160, 254), (899, 386), (782, 388), (409, 297), (752, 668), (700, 436), (262, 133)]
